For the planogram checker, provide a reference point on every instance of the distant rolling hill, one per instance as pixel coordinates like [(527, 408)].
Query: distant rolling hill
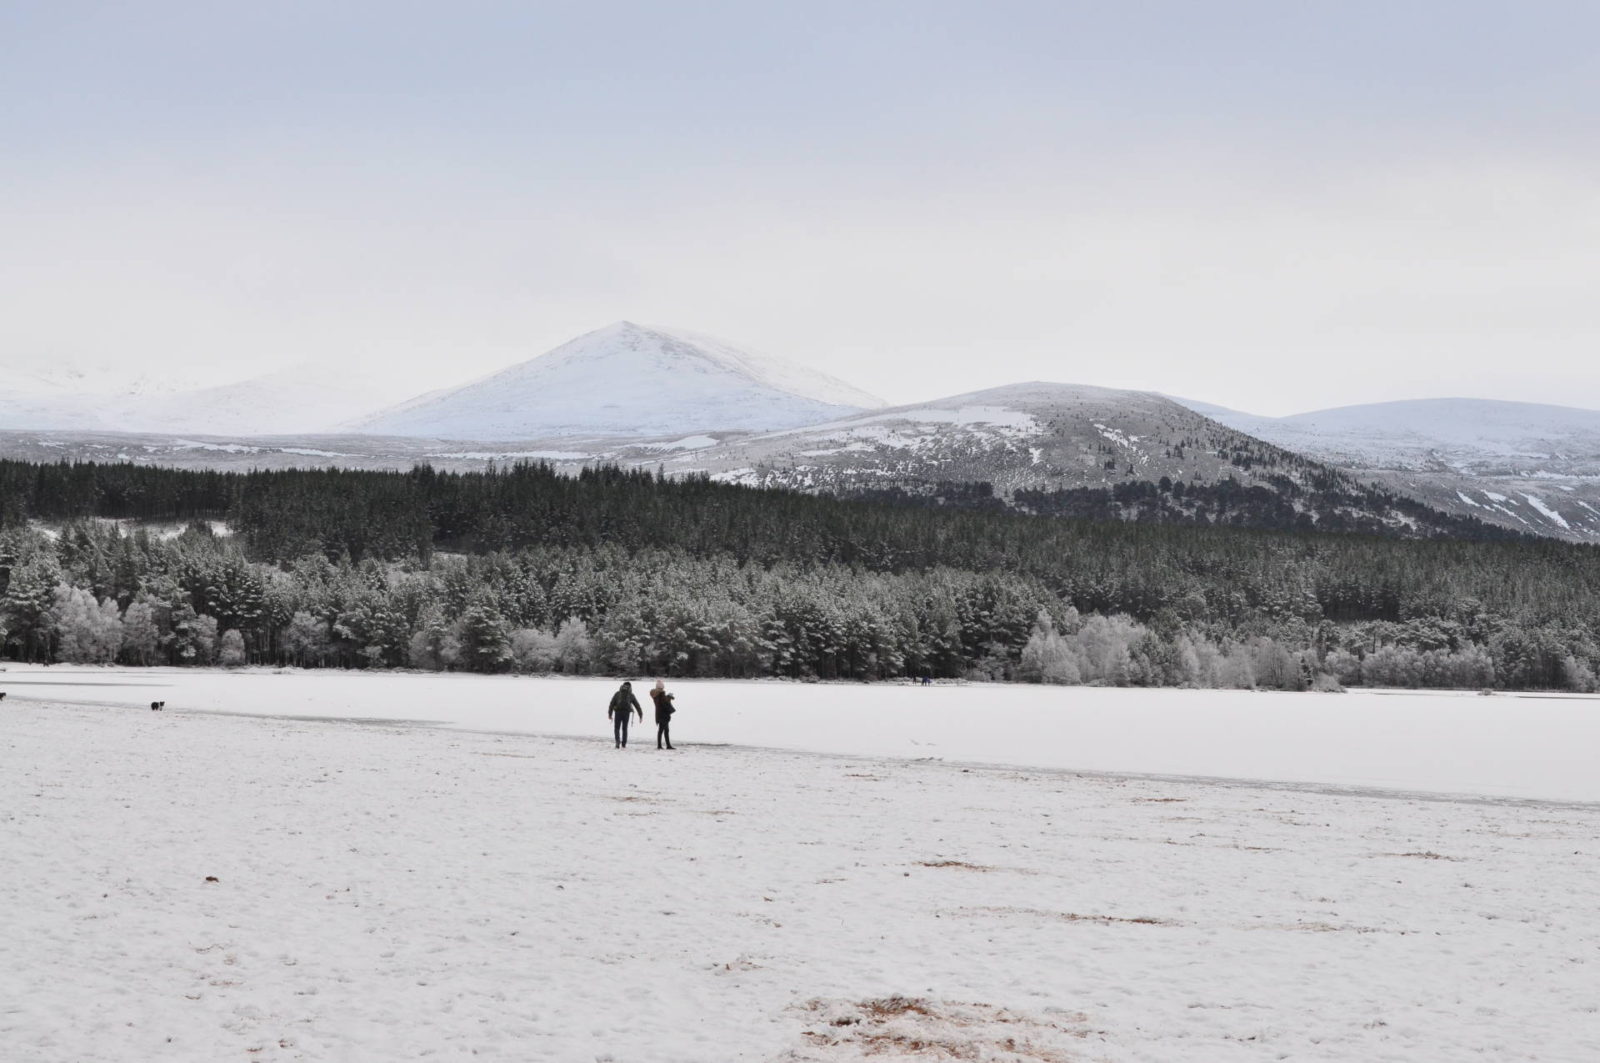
[(1525, 466)]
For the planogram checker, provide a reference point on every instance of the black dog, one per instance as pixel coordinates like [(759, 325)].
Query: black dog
[(2, 695), (157, 706)]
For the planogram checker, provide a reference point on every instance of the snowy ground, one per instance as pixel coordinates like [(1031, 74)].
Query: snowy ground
[(1535, 746), (387, 891)]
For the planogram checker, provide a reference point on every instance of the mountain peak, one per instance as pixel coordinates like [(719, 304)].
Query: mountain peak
[(632, 380)]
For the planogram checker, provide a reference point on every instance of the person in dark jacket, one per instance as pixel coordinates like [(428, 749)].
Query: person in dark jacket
[(664, 711), (622, 704)]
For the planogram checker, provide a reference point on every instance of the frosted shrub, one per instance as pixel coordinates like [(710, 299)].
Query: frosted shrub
[(1236, 671), (1466, 669), (574, 646), (230, 653), (1102, 648), (1343, 666), (534, 650), (1392, 666), (1578, 674), (1273, 666), (1046, 658)]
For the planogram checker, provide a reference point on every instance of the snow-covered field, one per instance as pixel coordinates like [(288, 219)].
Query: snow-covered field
[(388, 891), (1535, 746)]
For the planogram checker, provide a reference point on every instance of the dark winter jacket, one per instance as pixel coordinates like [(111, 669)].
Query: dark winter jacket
[(623, 701), (664, 709)]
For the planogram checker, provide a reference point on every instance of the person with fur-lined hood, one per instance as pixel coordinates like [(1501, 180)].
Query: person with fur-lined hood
[(664, 711)]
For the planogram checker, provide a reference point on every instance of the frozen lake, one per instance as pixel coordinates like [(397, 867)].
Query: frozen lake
[(1520, 746)]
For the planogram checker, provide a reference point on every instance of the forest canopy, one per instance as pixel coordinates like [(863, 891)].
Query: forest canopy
[(626, 571)]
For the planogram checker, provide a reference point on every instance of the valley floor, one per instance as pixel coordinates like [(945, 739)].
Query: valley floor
[(387, 891)]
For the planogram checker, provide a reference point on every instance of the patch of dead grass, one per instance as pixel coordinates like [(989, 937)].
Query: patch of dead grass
[(963, 865), (1063, 917), (918, 1028)]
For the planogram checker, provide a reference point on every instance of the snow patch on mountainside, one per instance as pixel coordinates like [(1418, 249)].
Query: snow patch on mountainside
[(1538, 503)]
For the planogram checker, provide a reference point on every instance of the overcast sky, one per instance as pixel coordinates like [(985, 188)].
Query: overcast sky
[(1273, 206)]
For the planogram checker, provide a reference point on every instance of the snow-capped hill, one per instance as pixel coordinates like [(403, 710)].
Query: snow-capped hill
[(1522, 465), (1424, 433), (627, 380), (1457, 430), (47, 412), (1030, 436), (1058, 449), (45, 395), (307, 397)]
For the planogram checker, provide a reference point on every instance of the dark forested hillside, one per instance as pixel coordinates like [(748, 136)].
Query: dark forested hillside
[(626, 571)]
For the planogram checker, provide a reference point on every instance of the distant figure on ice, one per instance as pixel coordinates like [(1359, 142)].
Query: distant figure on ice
[(622, 703), (664, 711)]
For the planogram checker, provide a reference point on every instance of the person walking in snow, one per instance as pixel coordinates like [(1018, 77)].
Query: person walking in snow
[(622, 704), (664, 711)]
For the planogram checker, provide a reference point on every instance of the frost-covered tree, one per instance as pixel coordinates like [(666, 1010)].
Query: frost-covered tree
[(141, 635), (26, 608), (85, 633), (1046, 657), (1274, 667), (534, 650), (1103, 647), (194, 636), (436, 643), (485, 638), (1579, 674), (306, 641), (574, 646), (1392, 666), (1344, 666)]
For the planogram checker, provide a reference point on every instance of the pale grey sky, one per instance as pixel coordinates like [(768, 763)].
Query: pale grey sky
[(1272, 206)]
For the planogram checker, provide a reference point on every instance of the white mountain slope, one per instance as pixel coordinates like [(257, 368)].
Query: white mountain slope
[(627, 380), (1522, 465), (309, 397), (61, 394)]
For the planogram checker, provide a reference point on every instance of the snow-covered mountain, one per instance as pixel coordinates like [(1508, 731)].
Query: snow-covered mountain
[(307, 397), (648, 397), (45, 394), (1521, 465), (627, 380), (1059, 449), (1021, 435)]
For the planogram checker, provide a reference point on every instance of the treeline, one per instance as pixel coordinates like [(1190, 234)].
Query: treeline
[(1324, 504), (625, 572)]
